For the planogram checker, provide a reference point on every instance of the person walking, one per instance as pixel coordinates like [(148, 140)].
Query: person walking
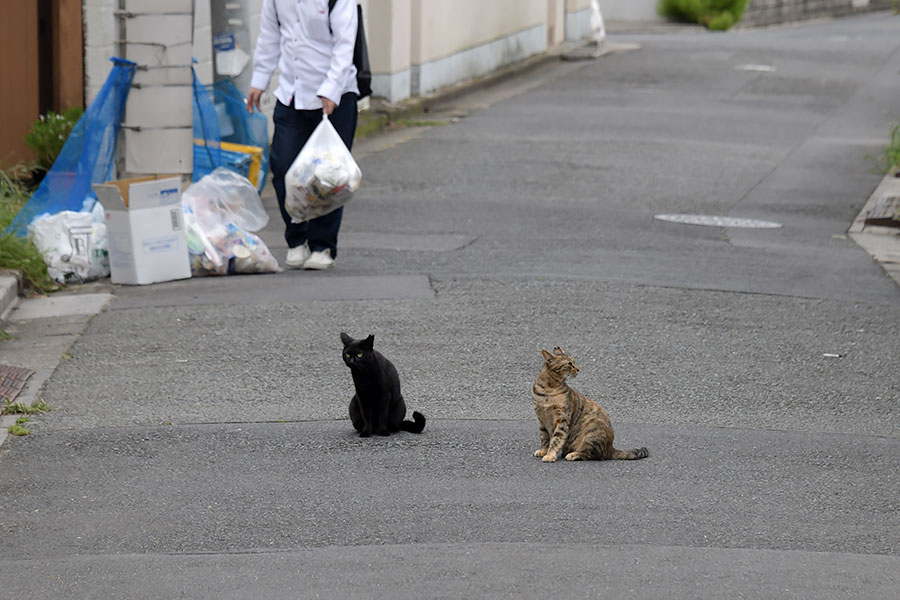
[(311, 43)]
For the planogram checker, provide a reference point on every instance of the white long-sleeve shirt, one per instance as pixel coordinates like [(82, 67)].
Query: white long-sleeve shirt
[(313, 61)]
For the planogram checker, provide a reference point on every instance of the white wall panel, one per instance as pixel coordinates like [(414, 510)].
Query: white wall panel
[(159, 151), (158, 124)]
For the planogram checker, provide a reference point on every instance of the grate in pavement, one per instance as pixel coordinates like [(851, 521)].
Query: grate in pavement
[(12, 380), (886, 212)]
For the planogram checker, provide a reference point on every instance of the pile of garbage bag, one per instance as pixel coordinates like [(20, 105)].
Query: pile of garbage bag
[(221, 212)]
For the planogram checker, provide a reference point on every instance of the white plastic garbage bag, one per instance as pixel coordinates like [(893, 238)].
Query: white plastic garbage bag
[(598, 27), (323, 177), (217, 242), (73, 245)]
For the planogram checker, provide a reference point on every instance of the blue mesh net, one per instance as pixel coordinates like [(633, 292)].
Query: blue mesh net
[(207, 151), (87, 157), (220, 115)]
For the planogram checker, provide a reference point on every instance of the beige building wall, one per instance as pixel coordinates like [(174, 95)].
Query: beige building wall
[(462, 39), (388, 29), (630, 10), (556, 22), (445, 28)]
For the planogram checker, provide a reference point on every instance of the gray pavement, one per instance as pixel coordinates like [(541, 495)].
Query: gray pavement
[(198, 445)]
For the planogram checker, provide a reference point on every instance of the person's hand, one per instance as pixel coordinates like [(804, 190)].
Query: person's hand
[(327, 105), (253, 99)]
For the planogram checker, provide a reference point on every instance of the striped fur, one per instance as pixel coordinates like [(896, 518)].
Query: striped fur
[(571, 424)]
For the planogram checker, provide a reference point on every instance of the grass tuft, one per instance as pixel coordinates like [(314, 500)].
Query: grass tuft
[(891, 155), (15, 252), (20, 408), (18, 428)]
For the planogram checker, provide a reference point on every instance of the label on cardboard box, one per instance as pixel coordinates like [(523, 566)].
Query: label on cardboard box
[(163, 244)]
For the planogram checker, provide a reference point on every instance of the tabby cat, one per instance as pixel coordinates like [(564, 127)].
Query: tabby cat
[(571, 423), (377, 406)]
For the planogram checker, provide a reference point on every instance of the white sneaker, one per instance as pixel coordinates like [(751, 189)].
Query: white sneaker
[(319, 260), (297, 256)]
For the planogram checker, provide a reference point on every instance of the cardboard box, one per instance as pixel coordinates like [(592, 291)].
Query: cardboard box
[(145, 229)]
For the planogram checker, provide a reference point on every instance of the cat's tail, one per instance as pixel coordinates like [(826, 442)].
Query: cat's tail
[(416, 425), (635, 454)]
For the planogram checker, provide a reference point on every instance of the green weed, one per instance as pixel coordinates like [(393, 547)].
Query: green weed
[(15, 252), (18, 428), (891, 155), (420, 123), (20, 408)]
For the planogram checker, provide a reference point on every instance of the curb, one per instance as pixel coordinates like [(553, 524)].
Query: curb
[(882, 243), (10, 288)]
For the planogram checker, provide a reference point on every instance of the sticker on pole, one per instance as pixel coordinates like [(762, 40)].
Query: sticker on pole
[(716, 221)]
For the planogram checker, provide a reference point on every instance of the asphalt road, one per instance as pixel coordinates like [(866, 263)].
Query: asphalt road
[(198, 445)]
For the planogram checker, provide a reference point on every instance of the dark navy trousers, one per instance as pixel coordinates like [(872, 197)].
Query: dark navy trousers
[(292, 129)]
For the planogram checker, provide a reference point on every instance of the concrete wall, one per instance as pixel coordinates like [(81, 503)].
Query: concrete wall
[(768, 12), (158, 123), (100, 35), (201, 47), (449, 44), (629, 10)]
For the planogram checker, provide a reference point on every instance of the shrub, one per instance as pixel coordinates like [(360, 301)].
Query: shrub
[(48, 134), (714, 14)]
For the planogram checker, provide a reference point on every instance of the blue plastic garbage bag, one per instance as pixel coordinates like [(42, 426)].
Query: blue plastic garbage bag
[(220, 115), (87, 157)]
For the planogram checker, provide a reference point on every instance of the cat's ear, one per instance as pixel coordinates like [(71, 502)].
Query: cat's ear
[(558, 351), (346, 339), (547, 356), (368, 343)]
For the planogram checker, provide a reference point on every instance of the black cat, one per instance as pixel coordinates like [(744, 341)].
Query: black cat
[(377, 407)]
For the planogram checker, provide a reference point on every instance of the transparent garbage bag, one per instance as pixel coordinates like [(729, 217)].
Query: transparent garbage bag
[(234, 193), (218, 243), (323, 177)]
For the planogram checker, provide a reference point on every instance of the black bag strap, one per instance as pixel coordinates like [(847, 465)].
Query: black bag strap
[(360, 52), (331, 4)]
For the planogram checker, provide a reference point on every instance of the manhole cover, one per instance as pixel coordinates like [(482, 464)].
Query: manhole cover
[(12, 380), (715, 221)]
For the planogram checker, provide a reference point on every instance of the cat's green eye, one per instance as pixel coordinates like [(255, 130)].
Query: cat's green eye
[(347, 355), (359, 355)]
